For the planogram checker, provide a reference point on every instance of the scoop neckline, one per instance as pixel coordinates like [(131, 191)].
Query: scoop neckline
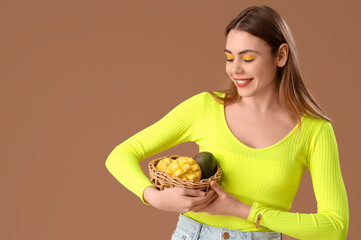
[(225, 124)]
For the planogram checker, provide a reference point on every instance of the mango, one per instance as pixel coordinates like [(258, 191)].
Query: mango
[(163, 164), (207, 163), (185, 168)]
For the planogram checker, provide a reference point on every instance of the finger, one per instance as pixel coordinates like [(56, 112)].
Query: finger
[(194, 201), (210, 191), (218, 189), (215, 185), (200, 207), (201, 200), (213, 198), (193, 192)]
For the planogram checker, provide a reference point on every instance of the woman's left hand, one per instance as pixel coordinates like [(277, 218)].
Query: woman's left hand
[(225, 204)]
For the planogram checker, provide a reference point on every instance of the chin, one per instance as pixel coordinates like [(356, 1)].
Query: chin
[(244, 94)]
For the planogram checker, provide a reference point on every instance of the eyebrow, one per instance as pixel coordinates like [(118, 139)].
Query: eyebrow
[(244, 51)]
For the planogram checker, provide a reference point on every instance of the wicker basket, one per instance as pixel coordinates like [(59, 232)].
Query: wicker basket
[(161, 180)]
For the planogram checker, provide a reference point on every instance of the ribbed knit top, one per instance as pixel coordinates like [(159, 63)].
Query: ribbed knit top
[(265, 178)]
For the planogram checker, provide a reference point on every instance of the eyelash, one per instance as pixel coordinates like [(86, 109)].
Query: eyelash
[(230, 60)]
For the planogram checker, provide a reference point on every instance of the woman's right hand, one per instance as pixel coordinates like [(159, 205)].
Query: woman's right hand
[(178, 199)]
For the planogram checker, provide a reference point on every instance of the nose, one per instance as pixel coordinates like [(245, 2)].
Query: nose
[(237, 67)]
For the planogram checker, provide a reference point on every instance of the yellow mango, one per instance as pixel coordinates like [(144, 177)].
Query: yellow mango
[(163, 164), (184, 167)]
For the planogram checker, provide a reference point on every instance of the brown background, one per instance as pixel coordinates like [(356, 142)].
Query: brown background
[(80, 77)]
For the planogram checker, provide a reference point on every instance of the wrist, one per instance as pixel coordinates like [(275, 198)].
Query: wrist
[(243, 210)]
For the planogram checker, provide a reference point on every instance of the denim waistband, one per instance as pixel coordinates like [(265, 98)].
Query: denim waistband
[(189, 229)]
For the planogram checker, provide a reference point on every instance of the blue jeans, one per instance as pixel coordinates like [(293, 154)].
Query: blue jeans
[(189, 229)]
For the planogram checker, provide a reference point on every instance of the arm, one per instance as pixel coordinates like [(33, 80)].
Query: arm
[(174, 128), (332, 217)]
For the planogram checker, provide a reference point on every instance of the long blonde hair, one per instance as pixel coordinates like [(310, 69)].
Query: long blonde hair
[(265, 23)]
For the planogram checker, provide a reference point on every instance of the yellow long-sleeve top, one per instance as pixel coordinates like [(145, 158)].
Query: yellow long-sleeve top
[(266, 179)]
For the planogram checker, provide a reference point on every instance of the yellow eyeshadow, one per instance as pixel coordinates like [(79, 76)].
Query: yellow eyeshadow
[(229, 56), (248, 57)]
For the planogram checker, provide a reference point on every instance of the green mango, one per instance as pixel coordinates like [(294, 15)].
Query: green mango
[(208, 164)]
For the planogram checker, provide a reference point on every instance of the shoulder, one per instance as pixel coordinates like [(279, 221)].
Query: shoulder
[(208, 93), (209, 96), (316, 123), (218, 93), (205, 96), (317, 127)]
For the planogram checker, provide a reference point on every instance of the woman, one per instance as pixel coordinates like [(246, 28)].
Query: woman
[(266, 131)]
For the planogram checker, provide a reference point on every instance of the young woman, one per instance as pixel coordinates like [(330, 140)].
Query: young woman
[(265, 131)]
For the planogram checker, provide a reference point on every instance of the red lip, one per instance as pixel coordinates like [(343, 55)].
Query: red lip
[(243, 79)]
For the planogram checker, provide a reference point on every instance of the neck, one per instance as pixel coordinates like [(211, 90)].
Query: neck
[(264, 103)]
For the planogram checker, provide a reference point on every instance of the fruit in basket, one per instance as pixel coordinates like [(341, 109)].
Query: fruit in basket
[(207, 163), (185, 168), (163, 164)]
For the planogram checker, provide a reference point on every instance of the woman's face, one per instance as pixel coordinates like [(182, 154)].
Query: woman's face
[(249, 57)]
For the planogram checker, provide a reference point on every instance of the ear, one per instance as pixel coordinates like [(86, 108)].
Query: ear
[(282, 55)]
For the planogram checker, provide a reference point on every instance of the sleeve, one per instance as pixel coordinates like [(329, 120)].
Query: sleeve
[(332, 218), (176, 127)]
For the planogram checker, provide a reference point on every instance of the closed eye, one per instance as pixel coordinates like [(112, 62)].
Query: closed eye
[(230, 60), (247, 58), (229, 57)]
